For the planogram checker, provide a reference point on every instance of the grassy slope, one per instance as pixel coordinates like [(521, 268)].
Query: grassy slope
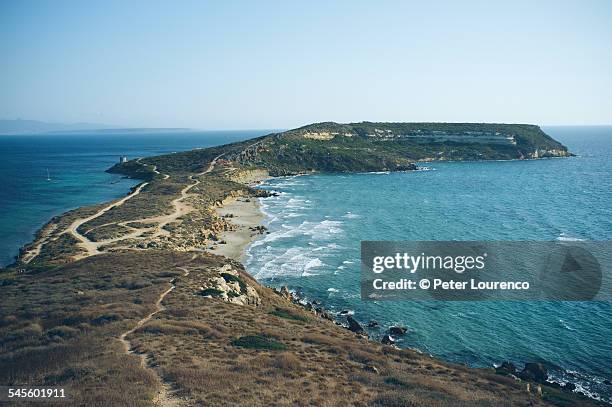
[(65, 334)]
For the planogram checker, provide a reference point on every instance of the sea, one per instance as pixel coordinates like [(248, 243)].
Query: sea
[(316, 224)]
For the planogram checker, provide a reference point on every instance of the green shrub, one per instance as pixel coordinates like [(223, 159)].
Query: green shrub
[(287, 314), (258, 342), (105, 319), (62, 331), (213, 292)]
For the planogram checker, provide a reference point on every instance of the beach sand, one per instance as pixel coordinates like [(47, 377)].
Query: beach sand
[(246, 214)]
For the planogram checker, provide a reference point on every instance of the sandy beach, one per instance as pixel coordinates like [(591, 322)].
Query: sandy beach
[(246, 214)]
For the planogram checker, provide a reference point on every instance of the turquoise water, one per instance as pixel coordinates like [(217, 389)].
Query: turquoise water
[(76, 164), (318, 221)]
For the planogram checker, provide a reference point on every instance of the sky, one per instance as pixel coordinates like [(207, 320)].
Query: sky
[(283, 64)]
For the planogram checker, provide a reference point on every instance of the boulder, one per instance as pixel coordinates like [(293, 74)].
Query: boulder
[(355, 326), (371, 369), (284, 292), (397, 330), (506, 369), (372, 324), (326, 315), (569, 386), (535, 372), (388, 340)]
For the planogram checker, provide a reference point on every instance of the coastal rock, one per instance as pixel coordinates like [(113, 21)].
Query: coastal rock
[(326, 315), (372, 324), (397, 330), (230, 287), (569, 386), (355, 326), (388, 340), (534, 372), (506, 369), (284, 292)]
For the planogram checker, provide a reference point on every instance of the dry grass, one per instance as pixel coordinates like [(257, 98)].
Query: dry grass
[(59, 327)]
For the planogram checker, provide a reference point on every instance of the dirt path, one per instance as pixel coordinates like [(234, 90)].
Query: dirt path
[(164, 397), (43, 239), (88, 245)]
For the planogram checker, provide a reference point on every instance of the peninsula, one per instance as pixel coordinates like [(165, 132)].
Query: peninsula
[(129, 302)]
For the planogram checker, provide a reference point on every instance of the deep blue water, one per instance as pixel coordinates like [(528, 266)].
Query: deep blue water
[(318, 221), (76, 164)]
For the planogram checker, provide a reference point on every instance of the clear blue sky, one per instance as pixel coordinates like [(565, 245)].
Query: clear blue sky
[(260, 64)]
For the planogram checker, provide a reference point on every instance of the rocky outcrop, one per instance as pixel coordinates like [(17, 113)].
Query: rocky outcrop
[(355, 326), (249, 176), (506, 369), (230, 287), (535, 372), (397, 330), (387, 340)]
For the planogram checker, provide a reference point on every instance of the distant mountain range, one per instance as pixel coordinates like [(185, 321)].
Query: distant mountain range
[(19, 126)]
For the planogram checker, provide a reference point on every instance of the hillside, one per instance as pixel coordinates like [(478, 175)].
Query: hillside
[(362, 147)]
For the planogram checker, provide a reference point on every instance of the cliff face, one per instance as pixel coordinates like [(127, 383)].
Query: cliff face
[(360, 147)]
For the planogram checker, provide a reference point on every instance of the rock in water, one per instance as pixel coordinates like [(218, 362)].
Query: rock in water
[(355, 326), (372, 324), (535, 372), (506, 368), (569, 386), (388, 340), (398, 330)]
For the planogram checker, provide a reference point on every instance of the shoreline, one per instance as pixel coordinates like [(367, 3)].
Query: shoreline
[(246, 218), (244, 214)]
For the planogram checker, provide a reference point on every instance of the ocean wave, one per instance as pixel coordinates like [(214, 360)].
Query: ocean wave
[(566, 326), (350, 215), (294, 261), (565, 238), (316, 262)]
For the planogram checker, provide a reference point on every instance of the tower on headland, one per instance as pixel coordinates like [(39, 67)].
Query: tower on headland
[(123, 159)]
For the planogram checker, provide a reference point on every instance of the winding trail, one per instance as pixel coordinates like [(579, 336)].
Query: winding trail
[(164, 397), (45, 237), (92, 247)]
